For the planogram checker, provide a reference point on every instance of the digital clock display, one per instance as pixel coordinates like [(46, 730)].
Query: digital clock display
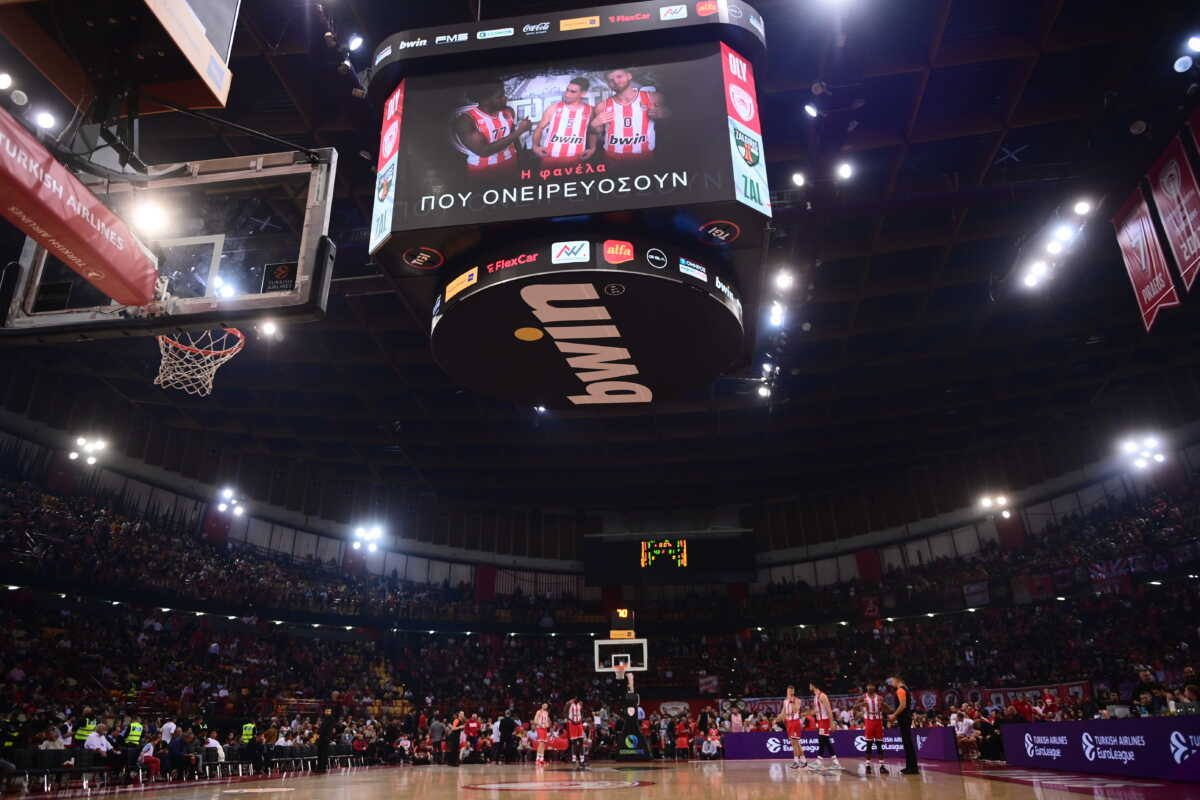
[(664, 551)]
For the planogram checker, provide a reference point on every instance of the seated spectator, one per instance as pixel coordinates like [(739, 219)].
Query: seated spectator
[(98, 742), (148, 759)]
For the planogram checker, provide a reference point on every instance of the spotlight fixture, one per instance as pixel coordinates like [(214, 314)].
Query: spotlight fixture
[(764, 391), (1006, 514), (1194, 44), (1032, 281), (1083, 207), (5, 81), (784, 280), (372, 547), (226, 290), (811, 110), (1143, 452), (797, 178), (149, 217), (845, 170), (540, 409), (776, 318), (87, 448), (44, 120), (269, 328), (357, 545), (1183, 63), (356, 41), (1064, 232), (1054, 247)]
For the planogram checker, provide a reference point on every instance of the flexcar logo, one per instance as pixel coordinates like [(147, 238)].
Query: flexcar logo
[(536, 29), (1089, 747), (672, 13), (505, 263), (578, 23), (615, 18), (570, 253), (597, 366), (1029, 746), (451, 38), (617, 252), (494, 33), (1184, 746), (706, 8)]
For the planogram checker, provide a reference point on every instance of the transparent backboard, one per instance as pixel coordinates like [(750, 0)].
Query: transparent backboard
[(236, 240), (633, 653)]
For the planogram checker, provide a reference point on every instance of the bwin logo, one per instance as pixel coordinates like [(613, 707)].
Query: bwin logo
[(1181, 748), (1089, 746), (594, 364), (1029, 745), (860, 744)]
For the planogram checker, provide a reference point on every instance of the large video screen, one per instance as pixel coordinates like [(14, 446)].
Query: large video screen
[(669, 559), (572, 137)]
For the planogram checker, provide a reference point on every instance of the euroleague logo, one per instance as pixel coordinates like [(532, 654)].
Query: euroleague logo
[(1184, 746), (1089, 746), (1029, 745), (775, 745)]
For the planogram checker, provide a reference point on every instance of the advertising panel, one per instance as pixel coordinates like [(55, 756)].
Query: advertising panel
[(933, 744), (1155, 747)]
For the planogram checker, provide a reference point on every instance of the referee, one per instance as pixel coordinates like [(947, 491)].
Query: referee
[(903, 719)]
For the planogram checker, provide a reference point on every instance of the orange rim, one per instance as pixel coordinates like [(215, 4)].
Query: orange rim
[(241, 342)]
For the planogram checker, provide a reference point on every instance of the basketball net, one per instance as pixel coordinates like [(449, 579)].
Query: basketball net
[(620, 670), (190, 361)]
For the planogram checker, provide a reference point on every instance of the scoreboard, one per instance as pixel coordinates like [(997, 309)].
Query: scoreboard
[(725, 558)]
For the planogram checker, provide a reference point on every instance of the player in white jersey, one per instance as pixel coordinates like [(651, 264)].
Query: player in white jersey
[(823, 710), (626, 119), (575, 731), (790, 712), (487, 132), (563, 137), (541, 724)]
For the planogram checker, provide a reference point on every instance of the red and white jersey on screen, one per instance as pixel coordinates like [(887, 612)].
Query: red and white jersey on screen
[(575, 712), (872, 706), (631, 131), (566, 135), (791, 708), (493, 128)]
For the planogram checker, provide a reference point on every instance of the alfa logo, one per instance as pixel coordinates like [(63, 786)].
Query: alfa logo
[(1183, 746), (617, 251), (747, 147), (1089, 747), (1029, 745), (706, 8)]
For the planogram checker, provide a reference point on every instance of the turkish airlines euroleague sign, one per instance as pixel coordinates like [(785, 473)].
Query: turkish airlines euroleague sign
[(50, 205), (593, 134)]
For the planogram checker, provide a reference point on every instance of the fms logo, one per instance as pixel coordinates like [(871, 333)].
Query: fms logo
[(451, 38), (598, 366)]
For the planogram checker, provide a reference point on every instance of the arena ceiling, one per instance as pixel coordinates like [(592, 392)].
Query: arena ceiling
[(915, 370)]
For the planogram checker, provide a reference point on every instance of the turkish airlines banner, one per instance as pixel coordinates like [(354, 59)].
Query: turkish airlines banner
[(933, 744), (1177, 197), (50, 205), (1161, 747), (1144, 259)]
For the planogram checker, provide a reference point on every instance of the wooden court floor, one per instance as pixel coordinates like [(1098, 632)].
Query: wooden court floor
[(737, 780)]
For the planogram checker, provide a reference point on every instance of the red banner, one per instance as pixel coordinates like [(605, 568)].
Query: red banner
[(1194, 124), (870, 607), (1144, 259), (51, 206), (1177, 197), (870, 570)]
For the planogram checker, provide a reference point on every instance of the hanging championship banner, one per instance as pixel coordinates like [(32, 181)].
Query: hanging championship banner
[(1144, 259), (1177, 198)]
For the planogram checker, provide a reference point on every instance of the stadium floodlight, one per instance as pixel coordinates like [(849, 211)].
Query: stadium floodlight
[(44, 120), (372, 547), (843, 623), (269, 327), (1194, 44), (1064, 232), (376, 532), (1006, 513), (764, 391), (356, 42), (91, 460), (845, 171), (238, 510), (784, 280), (5, 81), (1143, 451), (1038, 269), (73, 455), (1001, 500), (931, 615), (797, 179), (231, 617), (150, 217), (1184, 63), (776, 317), (985, 501), (1031, 281), (1156, 583), (222, 507), (278, 622), (1083, 207), (1129, 446), (81, 441), (226, 290), (540, 409), (1061, 599), (227, 493), (1150, 441), (1054, 247), (971, 610), (811, 110), (349, 627), (357, 545)]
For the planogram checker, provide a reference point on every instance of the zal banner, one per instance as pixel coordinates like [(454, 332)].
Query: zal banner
[(572, 137), (1177, 198), (745, 132), (385, 169), (51, 206), (933, 744), (1157, 747), (1144, 259)]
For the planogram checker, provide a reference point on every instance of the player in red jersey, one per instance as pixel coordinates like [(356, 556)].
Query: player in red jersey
[(627, 118), (824, 713), (487, 132), (789, 712), (564, 137), (873, 727), (575, 718), (541, 723)]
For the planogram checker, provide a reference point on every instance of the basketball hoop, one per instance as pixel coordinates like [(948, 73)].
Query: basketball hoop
[(189, 362), (620, 670)]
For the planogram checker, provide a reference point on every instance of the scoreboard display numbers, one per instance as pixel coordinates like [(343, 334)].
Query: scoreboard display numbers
[(664, 552)]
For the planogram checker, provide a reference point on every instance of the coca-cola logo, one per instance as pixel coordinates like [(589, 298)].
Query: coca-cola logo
[(536, 28)]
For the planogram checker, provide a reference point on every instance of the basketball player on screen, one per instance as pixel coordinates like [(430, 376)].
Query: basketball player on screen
[(564, 138), (824, 713), (873, 727), (789, 712), (541, 724), (487, 132), (575, 717), (626, 120)]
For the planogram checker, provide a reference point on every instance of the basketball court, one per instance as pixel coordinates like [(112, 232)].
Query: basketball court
[(765, 780)]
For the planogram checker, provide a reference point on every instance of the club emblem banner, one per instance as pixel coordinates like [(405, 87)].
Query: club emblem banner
[(1177, 198), (1144, 259)]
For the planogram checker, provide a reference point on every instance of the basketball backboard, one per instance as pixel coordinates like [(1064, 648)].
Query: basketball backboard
[(236, 239), (633, 653)]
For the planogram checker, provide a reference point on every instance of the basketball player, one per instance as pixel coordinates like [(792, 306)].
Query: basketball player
[(575, 717), (873, 727), (626, 119), (563, 138), (541, 723), (789, 712), (487, 132), (824, 712)]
